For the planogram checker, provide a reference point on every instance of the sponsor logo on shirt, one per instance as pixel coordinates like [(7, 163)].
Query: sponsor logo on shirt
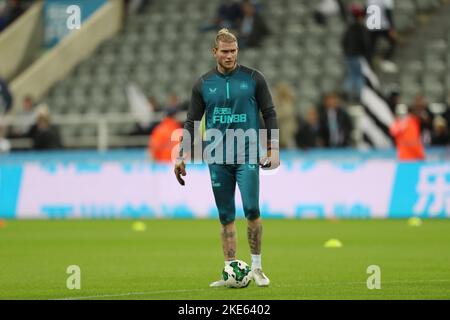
[(225, 116)]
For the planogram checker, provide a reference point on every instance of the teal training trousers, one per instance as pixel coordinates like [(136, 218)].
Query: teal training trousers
[(223, 180)]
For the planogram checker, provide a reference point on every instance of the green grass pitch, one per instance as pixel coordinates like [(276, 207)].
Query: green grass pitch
[(177, 259)]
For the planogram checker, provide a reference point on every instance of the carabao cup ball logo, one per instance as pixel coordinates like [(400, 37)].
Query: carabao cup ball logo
[(236, 274)]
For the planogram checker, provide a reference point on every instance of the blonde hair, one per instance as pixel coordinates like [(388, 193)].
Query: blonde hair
[(43, 111), (224, 35)]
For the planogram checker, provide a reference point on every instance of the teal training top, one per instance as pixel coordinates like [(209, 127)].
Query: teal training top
[(231, 101)]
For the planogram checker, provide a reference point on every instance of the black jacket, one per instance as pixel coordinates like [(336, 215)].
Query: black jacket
[(6, 99), (345, 128), (307, 136), (48, 138), (356, 41)]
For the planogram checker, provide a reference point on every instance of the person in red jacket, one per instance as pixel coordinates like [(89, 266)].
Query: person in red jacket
[(407, 134), (160, 143)]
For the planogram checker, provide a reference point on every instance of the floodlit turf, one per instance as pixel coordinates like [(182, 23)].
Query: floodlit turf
[(176, 259)]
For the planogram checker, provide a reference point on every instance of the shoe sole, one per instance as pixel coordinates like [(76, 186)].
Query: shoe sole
[(216, 286), (262, 285)]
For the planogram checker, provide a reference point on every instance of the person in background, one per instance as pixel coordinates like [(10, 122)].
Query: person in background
[(45, 135), (393, 99), (2, 15), (328, 8), (440, 136), (174, 102), (284, 100), (386, 31), (10, 12), (135, 6), (26, 118), (229, 15), (6, 98), (406, 132), (356, 47), (335, 123), (253, 28), (422, 110), (5, 145), (446, 114), (307, 136), (161, 143)]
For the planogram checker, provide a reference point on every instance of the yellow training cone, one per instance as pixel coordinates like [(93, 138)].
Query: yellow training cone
[(333, 243), (414, 222), (139, 226)]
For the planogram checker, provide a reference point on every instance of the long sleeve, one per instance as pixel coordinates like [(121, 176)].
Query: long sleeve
[(266, 105), (195, 113)]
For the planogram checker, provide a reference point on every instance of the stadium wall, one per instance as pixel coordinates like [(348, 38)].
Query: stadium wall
[(20, 41), (125, 184)]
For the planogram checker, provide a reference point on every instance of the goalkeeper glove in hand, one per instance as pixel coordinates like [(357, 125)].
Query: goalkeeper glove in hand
[(272, 161)]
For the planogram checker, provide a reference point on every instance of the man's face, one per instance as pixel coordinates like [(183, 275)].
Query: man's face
[(27, 104), (420, 102), (249, 9), (331, 102), (226, 55), (311, 116)]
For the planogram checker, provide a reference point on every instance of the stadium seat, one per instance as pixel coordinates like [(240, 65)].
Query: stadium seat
[(435, 65), (69, 131), (404, 22), (163, 51), (409, 90), (447, 82), (406, 7), (89, 130), (434, 90), (427, 5), (414, 68)]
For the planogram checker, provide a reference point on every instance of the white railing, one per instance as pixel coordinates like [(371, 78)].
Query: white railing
[(103, 140)]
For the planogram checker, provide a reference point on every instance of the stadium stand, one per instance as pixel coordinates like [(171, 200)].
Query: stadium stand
[(163, 51)]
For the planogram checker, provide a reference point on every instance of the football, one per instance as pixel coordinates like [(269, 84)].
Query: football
[(237, 274)]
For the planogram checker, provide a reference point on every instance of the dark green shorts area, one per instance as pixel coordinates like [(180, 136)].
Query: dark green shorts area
[(223, 180)]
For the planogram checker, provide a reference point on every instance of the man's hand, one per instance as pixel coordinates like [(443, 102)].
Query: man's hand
[(272, 161), (180, 170)]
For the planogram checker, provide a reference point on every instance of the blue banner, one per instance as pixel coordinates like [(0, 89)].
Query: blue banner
[(421, 189), (125, 184), (10, 180)]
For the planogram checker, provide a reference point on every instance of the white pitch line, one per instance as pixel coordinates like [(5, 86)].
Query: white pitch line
[(274, 286), (129, 294)]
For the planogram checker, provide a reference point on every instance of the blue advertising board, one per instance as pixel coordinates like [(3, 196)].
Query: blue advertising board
[(125, 184)]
